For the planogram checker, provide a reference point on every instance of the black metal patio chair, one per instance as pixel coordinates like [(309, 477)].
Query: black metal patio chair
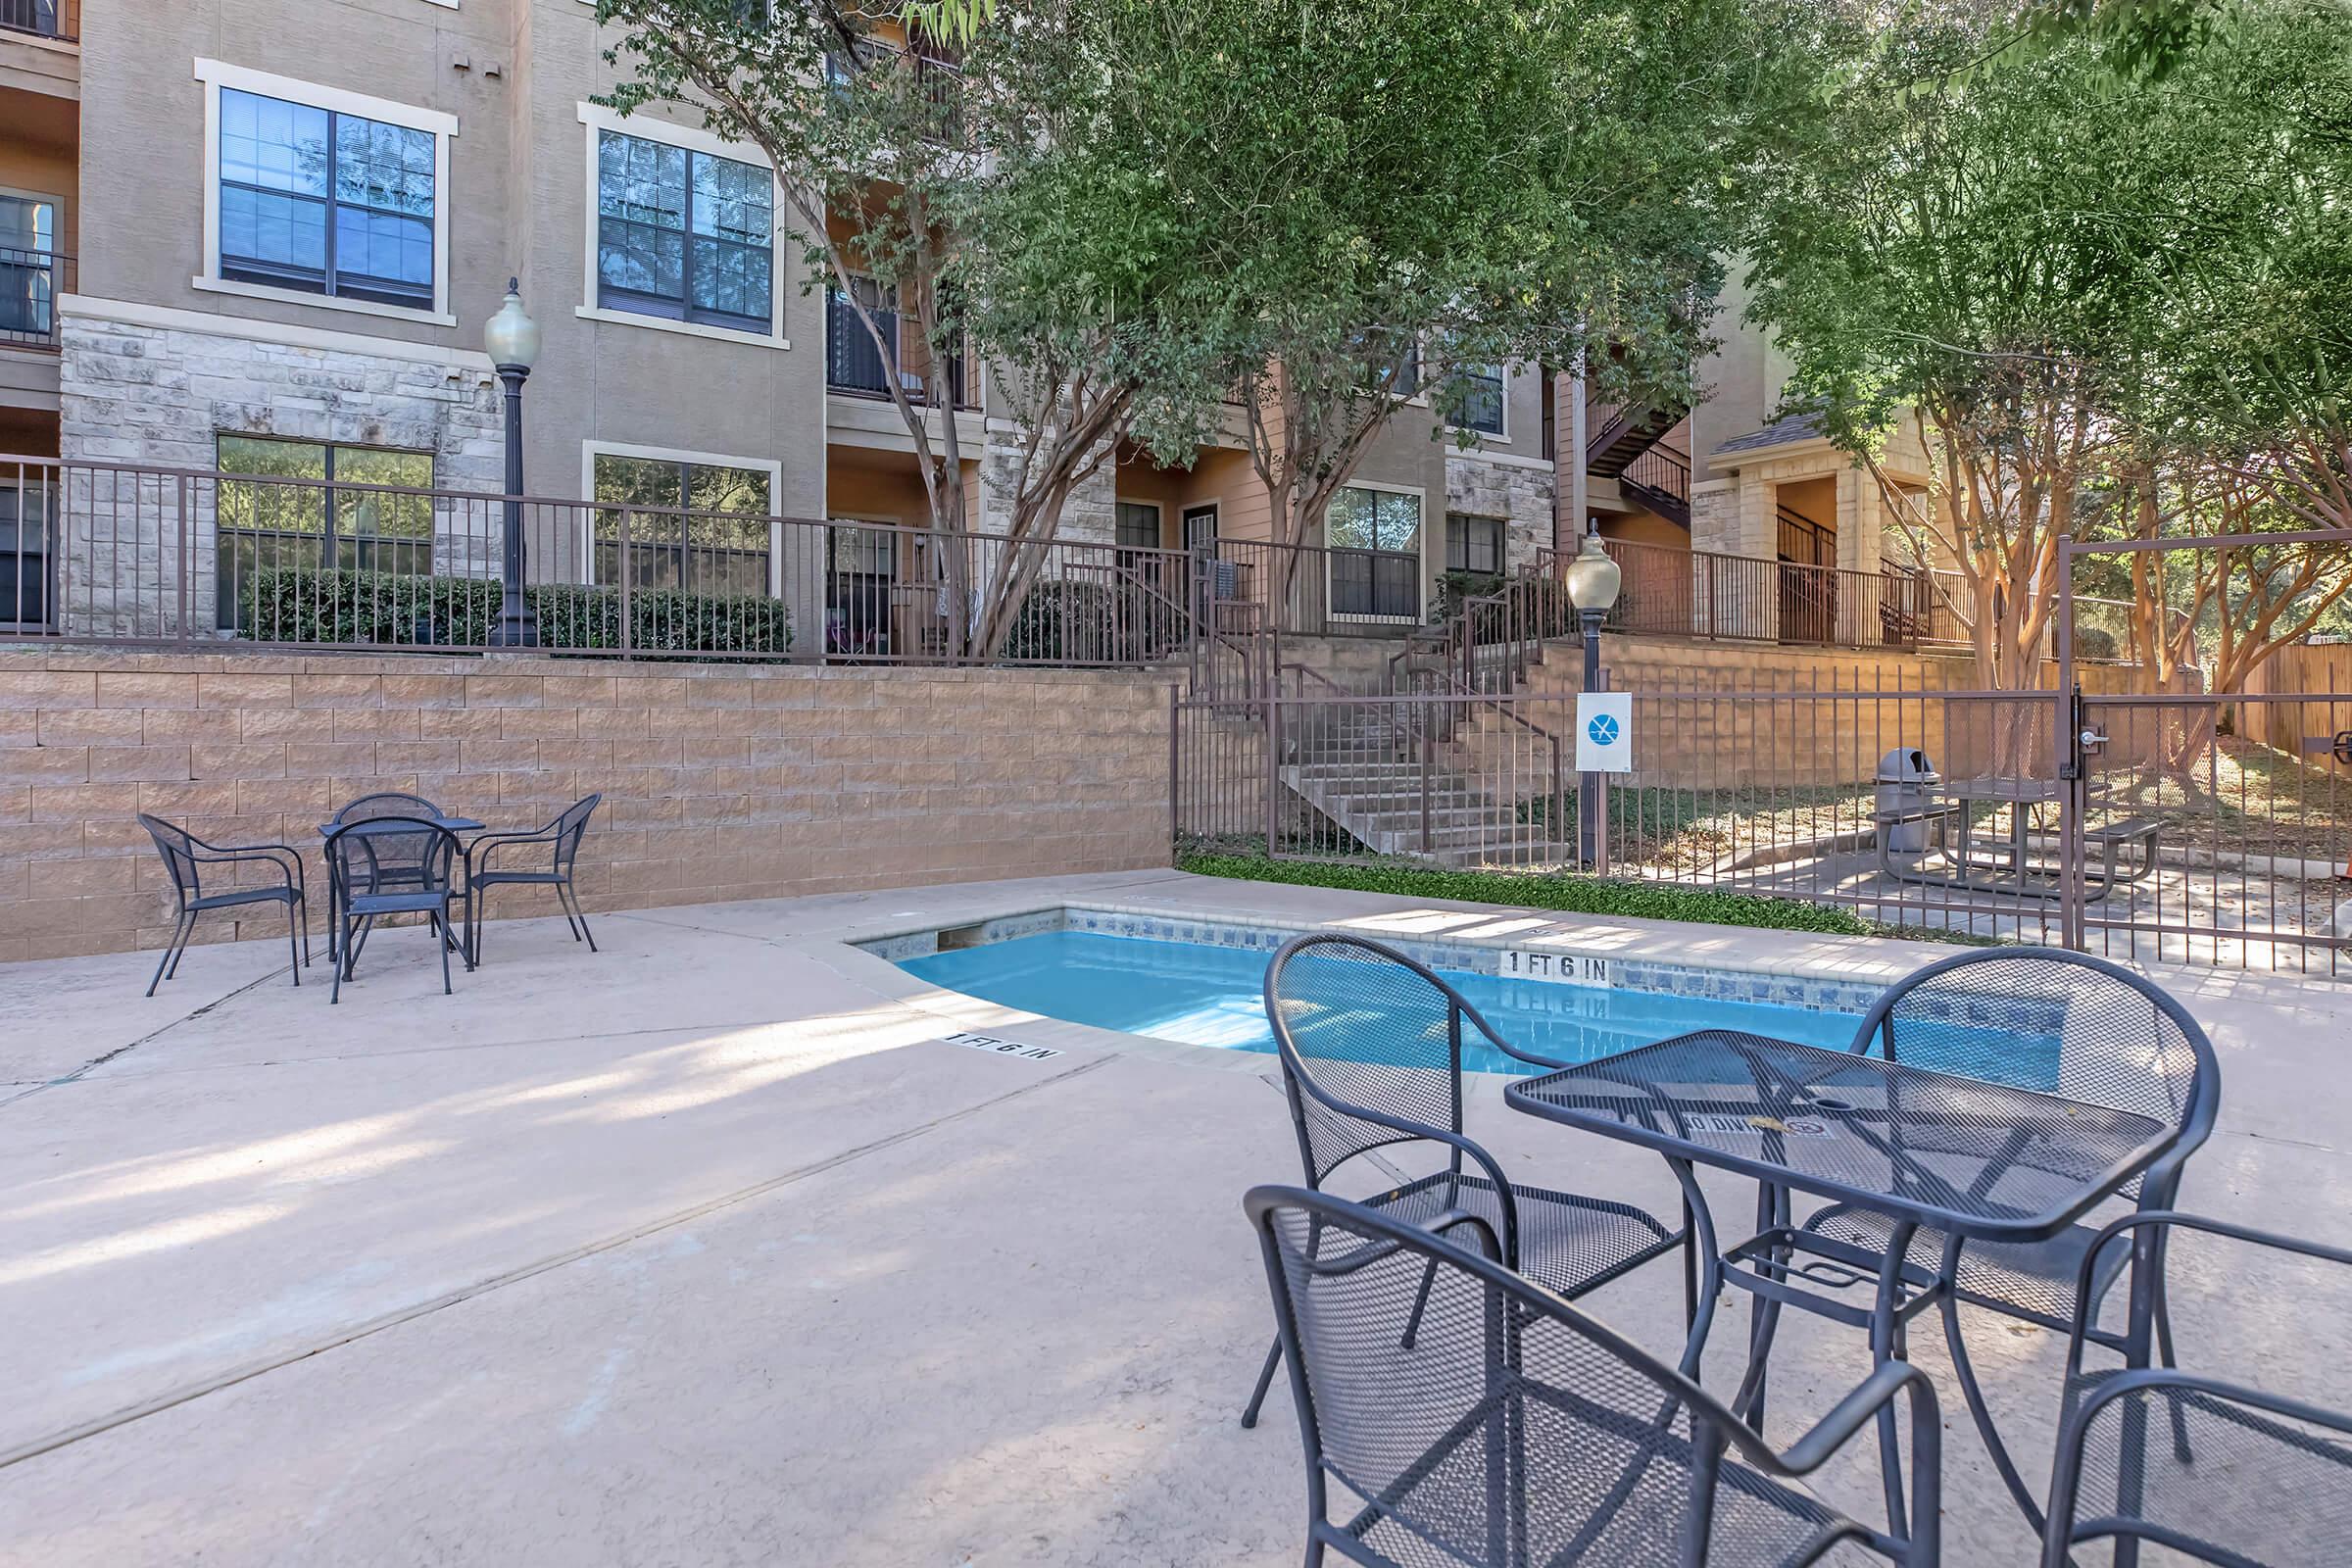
[(185, 856), (1371, 1046), (562, 841), (390, 866), (2100, 1034), (2251, 1476), (386, 803), (1517, 1432)]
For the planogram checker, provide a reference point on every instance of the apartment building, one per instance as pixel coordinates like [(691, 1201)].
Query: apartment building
[(263, 236)]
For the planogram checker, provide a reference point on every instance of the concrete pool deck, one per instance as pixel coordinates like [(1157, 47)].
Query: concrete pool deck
[(709, 1250)]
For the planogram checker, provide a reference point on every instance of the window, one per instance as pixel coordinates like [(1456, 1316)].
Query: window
[(684, 234), (27, 270), (1390, 367), (326, 203), (313, 521), (1139, 525), (710, 536), (27, 523), (320, 195), (1375, 539), (1481, 399), (1474, 543)]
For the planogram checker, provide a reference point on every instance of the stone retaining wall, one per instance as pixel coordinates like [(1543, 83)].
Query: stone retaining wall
[(719, 781)]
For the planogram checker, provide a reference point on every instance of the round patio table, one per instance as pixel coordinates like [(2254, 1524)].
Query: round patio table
[(1989, 1162)]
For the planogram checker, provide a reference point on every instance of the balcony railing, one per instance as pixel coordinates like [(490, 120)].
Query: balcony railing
[(145, 557), (853, 364), (30, 282), (1696, 593), (45, 18), (922, 85), (1312, 590)]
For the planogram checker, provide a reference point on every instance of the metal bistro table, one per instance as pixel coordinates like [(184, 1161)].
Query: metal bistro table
[(326, 834), (1976, 1161)]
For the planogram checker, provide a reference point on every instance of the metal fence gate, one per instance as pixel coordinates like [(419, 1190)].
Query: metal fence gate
[(2178, 827)]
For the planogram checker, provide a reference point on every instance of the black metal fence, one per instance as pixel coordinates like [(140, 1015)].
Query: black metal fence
[(158, 557)]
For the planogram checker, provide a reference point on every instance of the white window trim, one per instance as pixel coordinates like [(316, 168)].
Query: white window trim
[(1420, 551), (773, 467), (443, 127), (1504, 438), (597, 118)]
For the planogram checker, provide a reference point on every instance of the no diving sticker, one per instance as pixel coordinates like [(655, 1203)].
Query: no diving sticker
[(1003, 1048), (1756, 1126)]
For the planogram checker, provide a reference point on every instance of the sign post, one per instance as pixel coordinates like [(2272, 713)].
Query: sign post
[(1604, 743)]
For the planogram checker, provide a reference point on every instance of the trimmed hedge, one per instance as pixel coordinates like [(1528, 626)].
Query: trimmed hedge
[(1071, 622), (310, 605), (1576, 894)]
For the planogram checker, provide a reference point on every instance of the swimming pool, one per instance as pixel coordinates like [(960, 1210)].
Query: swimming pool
[(1207, 995)]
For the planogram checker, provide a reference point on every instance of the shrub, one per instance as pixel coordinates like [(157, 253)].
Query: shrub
[(311, 604), (1568, 894), (1076, 622)]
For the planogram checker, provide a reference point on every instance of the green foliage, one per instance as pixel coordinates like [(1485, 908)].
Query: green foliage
[(1067, 623), (1455, 586), (310, 606), (1574, 895)]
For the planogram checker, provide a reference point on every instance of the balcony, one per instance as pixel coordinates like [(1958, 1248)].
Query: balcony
[(854, 367), (925, 90), (60, 20), (30, 282)]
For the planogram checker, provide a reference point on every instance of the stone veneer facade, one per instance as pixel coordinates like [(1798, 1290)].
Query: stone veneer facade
[(719, 781), (160, 396), (1523, 496)]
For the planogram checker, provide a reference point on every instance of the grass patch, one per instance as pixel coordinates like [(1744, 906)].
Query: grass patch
[(1570, 895), (1640, 901)]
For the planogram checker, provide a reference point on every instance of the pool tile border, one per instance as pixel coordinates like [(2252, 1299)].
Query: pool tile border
[(1780, 989)]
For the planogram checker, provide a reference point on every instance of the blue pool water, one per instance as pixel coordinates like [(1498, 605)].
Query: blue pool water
[(1210, 995)]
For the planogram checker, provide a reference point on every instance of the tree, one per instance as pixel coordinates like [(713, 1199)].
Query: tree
[(2246, 202), (1947, 243), (961, 213), (1408, 190)]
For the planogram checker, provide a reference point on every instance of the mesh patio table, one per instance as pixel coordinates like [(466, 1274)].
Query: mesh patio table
[(1973, 1159)]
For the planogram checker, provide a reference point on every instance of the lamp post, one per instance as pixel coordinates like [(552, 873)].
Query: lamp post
[(513, 340), (1593, 583)]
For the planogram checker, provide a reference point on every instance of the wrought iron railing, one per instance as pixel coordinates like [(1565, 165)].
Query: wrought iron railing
[(855, 365), (30, 283), (170, 558), (1696, 593)]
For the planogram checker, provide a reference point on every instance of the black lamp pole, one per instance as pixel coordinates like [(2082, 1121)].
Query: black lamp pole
[(513, 340), (1587, 788)]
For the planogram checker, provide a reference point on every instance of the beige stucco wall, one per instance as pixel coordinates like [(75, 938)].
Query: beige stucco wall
[(517, 199), (719, 781)]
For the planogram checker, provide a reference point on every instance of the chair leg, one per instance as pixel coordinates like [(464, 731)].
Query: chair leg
[(573, 899), (444, 941), (339, 942), (293, 946), (1412, 1324), (1966, 1371), (179, 931), (474, 899), (2164, 1350), (303, 906), (1265, 1381)]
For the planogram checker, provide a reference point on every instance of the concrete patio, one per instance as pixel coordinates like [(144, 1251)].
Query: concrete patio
[(711, 1249)]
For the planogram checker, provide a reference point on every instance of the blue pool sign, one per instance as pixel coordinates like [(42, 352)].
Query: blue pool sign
[(1604, 732)]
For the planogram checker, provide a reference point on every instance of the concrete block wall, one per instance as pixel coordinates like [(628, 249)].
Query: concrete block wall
[(719, 781)]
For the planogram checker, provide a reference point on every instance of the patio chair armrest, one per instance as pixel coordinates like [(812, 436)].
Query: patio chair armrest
[(1852, 1414), (1507, 1205), (488, 843), (231, 854), (2086, 1305)]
